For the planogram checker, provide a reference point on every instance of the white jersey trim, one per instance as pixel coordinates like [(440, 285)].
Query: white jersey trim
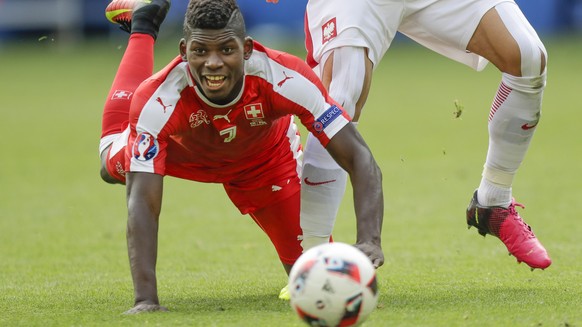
[(158, 110)]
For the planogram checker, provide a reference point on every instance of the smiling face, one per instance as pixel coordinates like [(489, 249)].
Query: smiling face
[(216, 60)]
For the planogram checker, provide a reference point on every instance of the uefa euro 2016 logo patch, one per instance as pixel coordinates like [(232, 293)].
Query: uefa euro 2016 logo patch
[(145, 147), (326, 118)]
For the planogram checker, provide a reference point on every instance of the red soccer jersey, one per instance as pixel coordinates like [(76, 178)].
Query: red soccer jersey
[(248, 143)]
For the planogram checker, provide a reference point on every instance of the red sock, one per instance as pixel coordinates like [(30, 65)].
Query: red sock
[(136, 65)]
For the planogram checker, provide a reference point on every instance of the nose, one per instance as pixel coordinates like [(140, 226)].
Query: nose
[(214, 61)]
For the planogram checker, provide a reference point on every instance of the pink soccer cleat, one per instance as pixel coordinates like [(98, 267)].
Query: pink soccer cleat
[(507, 225)]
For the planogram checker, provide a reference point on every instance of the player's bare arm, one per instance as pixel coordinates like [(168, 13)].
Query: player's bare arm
[(350, 151), (144, 201)]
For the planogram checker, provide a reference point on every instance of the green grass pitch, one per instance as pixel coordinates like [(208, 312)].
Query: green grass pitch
[(63, 259)]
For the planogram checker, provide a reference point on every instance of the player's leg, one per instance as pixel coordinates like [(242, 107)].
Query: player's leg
[(507, 40), (344, 43), (347, 74), (498, 31), (143, 20), (280, 221)]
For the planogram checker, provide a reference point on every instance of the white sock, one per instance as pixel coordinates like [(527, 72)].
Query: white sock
[(323, 186), (490, 195), (512, 121)]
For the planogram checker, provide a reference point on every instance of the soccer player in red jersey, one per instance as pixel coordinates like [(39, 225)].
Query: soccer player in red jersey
[(345, 41), (222, 112)]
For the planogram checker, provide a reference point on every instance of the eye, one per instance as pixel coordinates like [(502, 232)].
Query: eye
[(227, 50), (199, 51)]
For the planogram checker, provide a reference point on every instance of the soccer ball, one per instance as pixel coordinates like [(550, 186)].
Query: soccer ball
[(333, 284)]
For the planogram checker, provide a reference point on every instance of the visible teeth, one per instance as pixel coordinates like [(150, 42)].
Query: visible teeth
[(214, 81)]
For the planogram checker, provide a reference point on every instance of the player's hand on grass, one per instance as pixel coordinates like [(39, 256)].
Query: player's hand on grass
[(373, 251), (145, 307)]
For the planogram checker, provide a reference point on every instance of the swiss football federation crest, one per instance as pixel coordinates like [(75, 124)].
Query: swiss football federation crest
[(198, 118), (254, 112), (328, 31), (145, 147)]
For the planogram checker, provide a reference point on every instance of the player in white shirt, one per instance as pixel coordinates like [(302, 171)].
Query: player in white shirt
[(346, 40)]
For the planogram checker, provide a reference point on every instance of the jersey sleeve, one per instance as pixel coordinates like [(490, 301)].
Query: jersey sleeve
[(153, 104), (296, 87), (146, 151), (320, 114)]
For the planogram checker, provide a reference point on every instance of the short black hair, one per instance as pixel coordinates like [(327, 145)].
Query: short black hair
[(214, 14)]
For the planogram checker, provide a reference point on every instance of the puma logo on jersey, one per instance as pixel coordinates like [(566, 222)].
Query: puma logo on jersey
[(284, 80), (162, 103), (225, 117)]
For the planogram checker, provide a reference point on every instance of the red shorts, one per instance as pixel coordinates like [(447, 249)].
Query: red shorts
[(251, 200)]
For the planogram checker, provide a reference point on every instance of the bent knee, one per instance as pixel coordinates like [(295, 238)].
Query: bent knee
[(527, 55), (106, 177), (533, 58), (104, 172), (529, 65)]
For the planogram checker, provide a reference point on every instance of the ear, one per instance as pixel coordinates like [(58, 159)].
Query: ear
[(182, 47), (248, 47)]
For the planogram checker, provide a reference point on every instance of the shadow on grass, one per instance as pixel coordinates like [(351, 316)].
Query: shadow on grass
[(267, 302)]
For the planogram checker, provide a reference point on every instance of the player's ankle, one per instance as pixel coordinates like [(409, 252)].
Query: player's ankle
[(309, 242), (148, 18), (144, 26)]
